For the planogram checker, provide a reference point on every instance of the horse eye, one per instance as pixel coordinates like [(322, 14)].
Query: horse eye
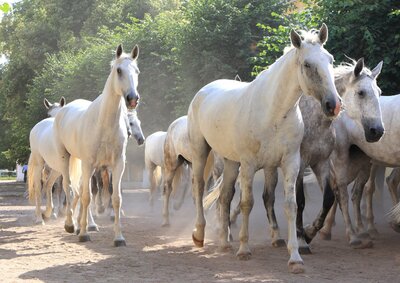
[(131, 124), (307, 65), (361, 93), (119, 71)]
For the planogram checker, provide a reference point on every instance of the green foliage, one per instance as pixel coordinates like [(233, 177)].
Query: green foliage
[(63, 48), (368, 29)]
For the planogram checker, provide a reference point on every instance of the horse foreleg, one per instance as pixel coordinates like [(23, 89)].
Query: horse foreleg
[(69, 223), (358, 189), (87, 172), (290, 168), (301, 202), (227, 190), (117, 172), (151, 169), (271, 179), (393, 181), (321, 171), (369, 193), (169, 174), (246, 204)]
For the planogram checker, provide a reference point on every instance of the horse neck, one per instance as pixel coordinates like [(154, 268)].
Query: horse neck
[(110, 107), (278, 87)]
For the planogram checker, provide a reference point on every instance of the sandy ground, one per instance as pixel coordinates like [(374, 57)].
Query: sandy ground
[(155, 254)]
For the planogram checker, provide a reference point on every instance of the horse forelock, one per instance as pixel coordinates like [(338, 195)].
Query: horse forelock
[(121, 58), (346, 69), (311, 36)]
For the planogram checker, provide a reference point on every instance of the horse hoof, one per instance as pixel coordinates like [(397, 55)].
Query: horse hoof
[(84, 238), (296, 267), (363, 235), (374, 234), (230, 238), (45, 217), (78, 231), (243, 255), (69, 228), (177, 206), (305, 250), (279, 243), (362, 244), (165, 225), (395, 226), (54, 216), (93, 228), (326, 236), (101, 209), (197, 243), (225, 248), (119, 243), (309, 232)]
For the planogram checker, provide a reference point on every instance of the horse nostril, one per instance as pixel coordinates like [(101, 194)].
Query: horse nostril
[(329, 107)]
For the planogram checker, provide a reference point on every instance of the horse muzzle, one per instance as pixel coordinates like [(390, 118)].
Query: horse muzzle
[(373, 133), (331, 105), (132, 100)]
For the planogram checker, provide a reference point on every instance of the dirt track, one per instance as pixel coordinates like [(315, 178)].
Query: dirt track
[(154, 254)]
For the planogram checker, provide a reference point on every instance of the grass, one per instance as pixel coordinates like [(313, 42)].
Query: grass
[(8, 178)]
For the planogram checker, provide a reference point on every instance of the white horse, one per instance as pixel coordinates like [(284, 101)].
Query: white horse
[(258, 125), (154, 161), (384, 152), (38, 138), (177, 160), (100, 181), (95, 132)]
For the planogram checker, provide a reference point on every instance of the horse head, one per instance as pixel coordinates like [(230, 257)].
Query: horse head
[(124, 75), (315, 69), (136, 129), (358, 87), (53, 108)]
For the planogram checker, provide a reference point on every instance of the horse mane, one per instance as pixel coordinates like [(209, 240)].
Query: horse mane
[(122, 57), (344, 71)]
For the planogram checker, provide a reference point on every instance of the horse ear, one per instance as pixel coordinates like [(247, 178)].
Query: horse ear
[(135, 52), (46, 103), (377, 70), (237, 78), (295, 38), (62, 101), (119, 51), (323, 33), (359, 67)]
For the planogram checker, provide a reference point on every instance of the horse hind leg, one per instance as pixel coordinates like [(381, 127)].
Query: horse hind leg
[(369, 192), (36, 174), (52, 177), (271, 180), (200, 153), (231, 170)]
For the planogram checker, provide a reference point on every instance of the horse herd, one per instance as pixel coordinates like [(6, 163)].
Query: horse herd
[(301, 112)]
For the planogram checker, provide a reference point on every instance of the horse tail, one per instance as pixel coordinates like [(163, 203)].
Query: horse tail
[(208, 169), (31, 176), (214, 193), (394, 213), (75, 172)]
